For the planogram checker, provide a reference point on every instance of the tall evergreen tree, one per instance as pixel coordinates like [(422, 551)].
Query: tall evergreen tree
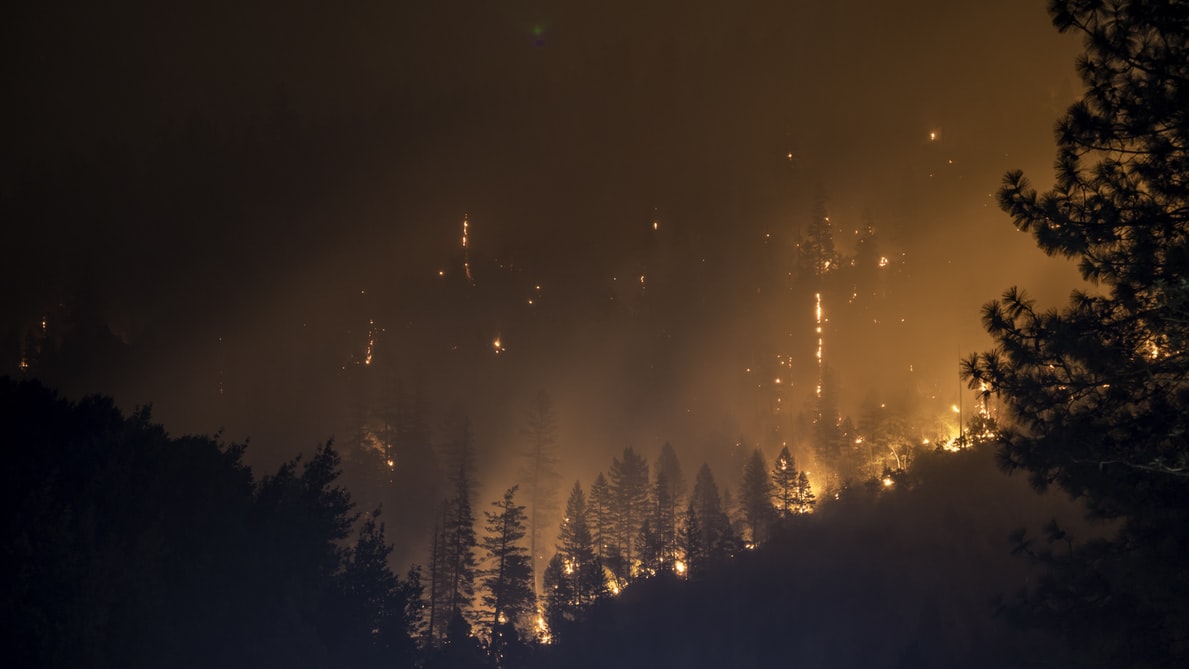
[(454, 571), (539, 474), (629, 499), (713, 521), (1097, 391), (600, 516), (669, 486), (692, 541), (662, 523), (377, 621), (574, 578), (784, 482), (576, 546), (507, 581), (755, 498), (803, 498)]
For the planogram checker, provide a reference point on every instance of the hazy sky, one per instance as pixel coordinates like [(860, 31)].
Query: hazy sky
[(240, 192)]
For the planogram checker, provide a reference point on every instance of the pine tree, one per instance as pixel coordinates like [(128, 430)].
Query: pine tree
[(454, 570), (560, 610), (670, 486), (1096, 391), (803, 499), (784, 482), (600, 516), (576, 546), (629, 499), (755, 498), (694, 550), (379, 615), (507, 581), (662, 524), (539, 474), (713, 522)]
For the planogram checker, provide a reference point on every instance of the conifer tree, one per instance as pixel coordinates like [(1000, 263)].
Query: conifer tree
[(454, 569), (507, 580), (670, 487), (576, 546), (713, 522), (539, 474), (600, 516), (755, 498), (803, 498), (692, 540), (629, 498), (1096, 392), (784, 482)]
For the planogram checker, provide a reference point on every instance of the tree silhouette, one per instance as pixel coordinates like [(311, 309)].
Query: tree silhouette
[(755, 498), (784, 482), (629, 499), (576, 546), (539, 474), (453, 570), (664, 522), (600, 516), (668, 492), (509, 595), (717, 536), (129, 548), (1096, 391), (803, 498)]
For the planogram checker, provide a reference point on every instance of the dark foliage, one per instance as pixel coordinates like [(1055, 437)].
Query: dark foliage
[(127, 547), (1097, 390)]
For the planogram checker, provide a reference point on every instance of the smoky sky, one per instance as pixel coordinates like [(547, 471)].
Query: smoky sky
[(243, 195)]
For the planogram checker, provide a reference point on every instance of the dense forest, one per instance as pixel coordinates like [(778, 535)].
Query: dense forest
[(136, 548)]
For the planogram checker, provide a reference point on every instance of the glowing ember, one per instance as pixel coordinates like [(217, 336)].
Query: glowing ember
[(371, 342), (466, 259)]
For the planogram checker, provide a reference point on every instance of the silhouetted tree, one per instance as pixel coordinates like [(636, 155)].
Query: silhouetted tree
[(803, 498), (582, 568), (629, 499), (560, 611), (600, 516), (1096, 391), (661, 538), (784, 482), (755, 498), (453, 572), (507, 581), (128, 548), (715, 526), (378, 618), (669, 491), (539, 474), (692, 541)]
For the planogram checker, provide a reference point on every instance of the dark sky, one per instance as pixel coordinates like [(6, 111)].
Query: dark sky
[(233, 191)]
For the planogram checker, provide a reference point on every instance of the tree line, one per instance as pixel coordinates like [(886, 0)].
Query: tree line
[(132, 547)]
